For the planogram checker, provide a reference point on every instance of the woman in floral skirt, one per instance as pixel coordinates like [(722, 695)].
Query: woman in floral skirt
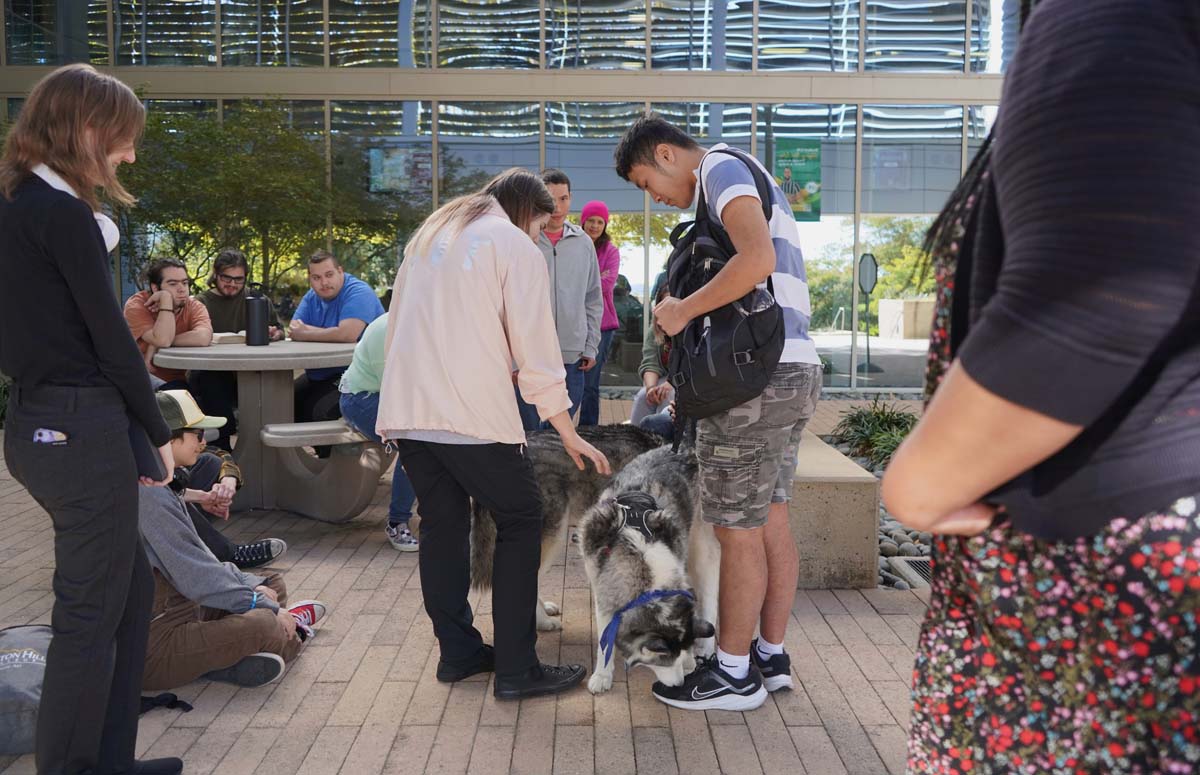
[(1063, 633)]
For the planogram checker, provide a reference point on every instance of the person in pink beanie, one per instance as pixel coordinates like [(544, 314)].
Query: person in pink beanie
[(594, 219)]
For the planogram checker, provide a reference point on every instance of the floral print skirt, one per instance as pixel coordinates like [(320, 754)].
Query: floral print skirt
[(1063, 657)]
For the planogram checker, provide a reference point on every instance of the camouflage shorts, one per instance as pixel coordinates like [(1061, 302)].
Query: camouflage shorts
[(747, 454)]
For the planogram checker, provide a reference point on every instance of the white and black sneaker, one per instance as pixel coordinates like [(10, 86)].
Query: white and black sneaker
[(709, 687), (776, 671), (259, 553), (401, 538)]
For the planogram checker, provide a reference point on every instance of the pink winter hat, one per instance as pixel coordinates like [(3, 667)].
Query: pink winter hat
[(594, 207)]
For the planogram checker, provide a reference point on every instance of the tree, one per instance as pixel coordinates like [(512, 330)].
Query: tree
[(904, 271)]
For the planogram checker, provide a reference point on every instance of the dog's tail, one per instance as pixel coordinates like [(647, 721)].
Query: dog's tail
[(483, 546)]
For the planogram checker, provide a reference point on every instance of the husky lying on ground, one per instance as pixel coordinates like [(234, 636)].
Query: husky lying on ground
[(567, 493), (643, 545)]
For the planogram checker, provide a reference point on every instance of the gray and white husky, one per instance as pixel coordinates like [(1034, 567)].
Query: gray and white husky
[(566, 493), (654, 568)]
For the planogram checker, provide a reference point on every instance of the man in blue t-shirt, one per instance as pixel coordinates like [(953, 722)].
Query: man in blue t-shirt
[(747, 454), (336, 309)]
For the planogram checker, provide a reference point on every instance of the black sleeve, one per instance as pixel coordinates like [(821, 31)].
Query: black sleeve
[(272, 315), (74, 243), (1097, 179)]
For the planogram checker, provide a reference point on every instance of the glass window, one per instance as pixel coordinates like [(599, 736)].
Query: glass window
[(916, 35), (808, 35), (380, 33), (382, 155), (165, 32), (820, 140), (306, 115), (477, 140), (980, 119), (55, 32), (488, 33), (14, 106), (995, 28), (197, 108), (272, 32), (912, 160), (608, 36), (705, 35), (580, 137)]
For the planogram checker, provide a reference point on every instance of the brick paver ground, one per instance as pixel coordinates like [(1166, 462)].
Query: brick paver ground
[(362, 699)]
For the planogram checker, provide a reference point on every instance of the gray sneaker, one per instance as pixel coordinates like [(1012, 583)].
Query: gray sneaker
[(255, 670), (401, 538)]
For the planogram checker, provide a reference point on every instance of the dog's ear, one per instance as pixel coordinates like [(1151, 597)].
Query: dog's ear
[(702, 629), (656, 646)]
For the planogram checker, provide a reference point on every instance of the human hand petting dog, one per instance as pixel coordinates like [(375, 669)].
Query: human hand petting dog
[(576, 447)]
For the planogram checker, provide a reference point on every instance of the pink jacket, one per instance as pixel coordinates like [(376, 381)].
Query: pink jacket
[(610, 266), (460, 318)]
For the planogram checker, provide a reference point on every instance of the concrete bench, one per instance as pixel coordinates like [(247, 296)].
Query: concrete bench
[(835, 518), (334, 489)]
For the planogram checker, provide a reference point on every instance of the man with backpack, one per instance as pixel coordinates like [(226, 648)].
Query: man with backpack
[(751, 398)]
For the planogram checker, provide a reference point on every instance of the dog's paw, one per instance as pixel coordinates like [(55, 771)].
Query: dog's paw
[(689, 663), (600, 682), (548, 625), (551, 609)]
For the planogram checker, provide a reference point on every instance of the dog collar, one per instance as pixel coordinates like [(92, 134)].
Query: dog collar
[(634, 506), (608, 638)]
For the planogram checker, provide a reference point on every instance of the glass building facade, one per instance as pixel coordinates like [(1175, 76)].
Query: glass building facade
[(420, 100)]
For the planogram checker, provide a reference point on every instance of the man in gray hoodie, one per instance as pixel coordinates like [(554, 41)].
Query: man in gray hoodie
[(574, 293), (210, 619)]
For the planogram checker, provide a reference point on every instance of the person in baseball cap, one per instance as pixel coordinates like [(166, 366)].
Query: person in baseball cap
[(182, 413)]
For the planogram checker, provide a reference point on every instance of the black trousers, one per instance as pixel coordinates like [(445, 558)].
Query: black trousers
[(202, 476), (103, 584), (216, 393), (445, 477), (317, 401)]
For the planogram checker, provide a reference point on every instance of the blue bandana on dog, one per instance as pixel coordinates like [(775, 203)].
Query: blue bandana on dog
[(608, 638)]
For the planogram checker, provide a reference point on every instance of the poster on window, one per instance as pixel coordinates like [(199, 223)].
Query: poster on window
[(798, 173)]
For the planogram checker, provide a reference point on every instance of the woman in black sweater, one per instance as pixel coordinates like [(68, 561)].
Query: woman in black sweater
[(79, 382), (1059, 458)]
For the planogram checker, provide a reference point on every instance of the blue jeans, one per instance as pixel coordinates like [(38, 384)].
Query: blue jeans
[(589, 408), (361, 410), (529, 414)]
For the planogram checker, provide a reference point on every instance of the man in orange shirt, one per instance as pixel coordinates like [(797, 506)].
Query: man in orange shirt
[(167, 316)]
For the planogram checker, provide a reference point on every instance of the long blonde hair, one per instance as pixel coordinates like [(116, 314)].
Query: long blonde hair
[(520, 192), (53, 129)]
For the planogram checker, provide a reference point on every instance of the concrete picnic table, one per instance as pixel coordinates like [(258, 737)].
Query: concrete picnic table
[(286, 478)]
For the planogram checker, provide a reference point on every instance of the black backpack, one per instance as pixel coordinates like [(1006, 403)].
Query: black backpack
[(725, 357)]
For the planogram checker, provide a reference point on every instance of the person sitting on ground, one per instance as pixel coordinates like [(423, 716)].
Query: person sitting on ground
[(337, 309), (651, 404), (166, 315), (360, 407), (225, 300), (210, 619), (209, 487)]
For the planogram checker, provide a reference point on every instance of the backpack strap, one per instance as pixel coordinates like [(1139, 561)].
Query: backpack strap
[(760, 183)]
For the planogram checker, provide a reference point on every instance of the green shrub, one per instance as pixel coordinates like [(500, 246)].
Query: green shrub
[(884, 445), (878, 426)]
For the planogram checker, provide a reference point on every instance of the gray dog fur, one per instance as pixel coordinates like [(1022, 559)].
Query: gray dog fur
[(566, 493), (622, 563)]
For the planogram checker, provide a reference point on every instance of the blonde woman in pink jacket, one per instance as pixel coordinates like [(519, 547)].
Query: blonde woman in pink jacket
[(470, 300)]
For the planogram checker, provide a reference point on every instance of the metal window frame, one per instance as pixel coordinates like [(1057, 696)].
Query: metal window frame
[(435, 85)]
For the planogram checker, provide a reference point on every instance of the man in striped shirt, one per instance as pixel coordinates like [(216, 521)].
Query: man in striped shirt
[(747, 455)]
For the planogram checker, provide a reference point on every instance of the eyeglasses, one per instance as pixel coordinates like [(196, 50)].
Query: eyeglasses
[(199, 433), (225, 278)]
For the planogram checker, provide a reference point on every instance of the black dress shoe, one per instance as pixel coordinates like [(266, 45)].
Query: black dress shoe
[(539, 680), (166, 766), (485, 662)]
